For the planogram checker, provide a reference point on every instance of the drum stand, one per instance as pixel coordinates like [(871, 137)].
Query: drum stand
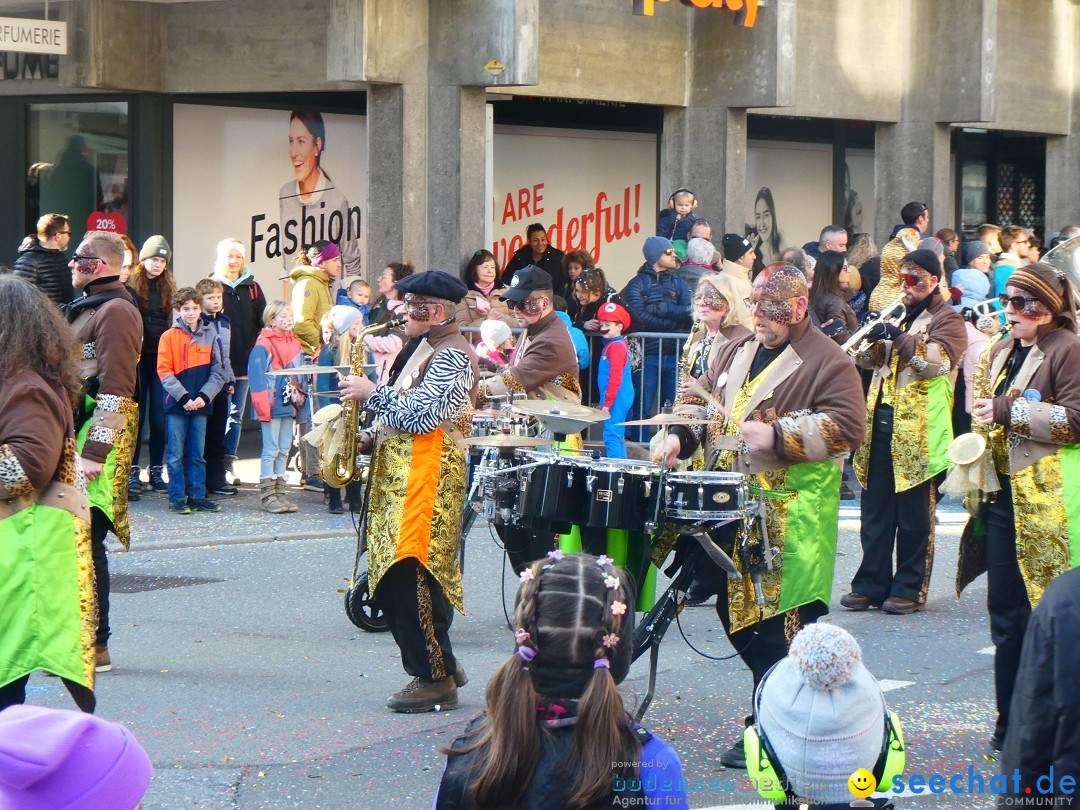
[(650, 632)]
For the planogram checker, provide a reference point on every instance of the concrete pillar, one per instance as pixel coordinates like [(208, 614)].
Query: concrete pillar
[(455, 175), (703, 148), (911, 162), (1062, 190)]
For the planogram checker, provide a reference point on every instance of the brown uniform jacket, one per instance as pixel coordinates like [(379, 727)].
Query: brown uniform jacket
[(698, 365), (544, 365), (35, 420), (111, 337), (812, 397)]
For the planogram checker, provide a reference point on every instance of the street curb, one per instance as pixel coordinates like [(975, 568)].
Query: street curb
[(231, 541)]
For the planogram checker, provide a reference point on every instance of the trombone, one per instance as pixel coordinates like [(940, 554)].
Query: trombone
[(894, 313)]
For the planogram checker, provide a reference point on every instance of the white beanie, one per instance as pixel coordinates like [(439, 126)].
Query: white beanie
[(823, 713), (342, 317), (495, 333)]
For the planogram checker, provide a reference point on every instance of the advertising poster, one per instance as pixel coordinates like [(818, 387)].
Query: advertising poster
[(789, 190), (593, 191), (274, 181)]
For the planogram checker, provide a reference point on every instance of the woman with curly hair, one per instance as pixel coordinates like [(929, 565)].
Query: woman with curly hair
[(47, 595)]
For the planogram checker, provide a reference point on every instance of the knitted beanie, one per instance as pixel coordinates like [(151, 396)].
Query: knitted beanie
[(343, 316), (495, 333), (52, 759), (156, 246), (655, 247), (823, 713)]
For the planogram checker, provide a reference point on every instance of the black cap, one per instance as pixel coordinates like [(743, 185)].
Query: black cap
[(735, 246), (433, 283), (926, 259), (527, 280)]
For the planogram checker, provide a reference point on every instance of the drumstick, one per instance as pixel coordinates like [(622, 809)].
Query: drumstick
[(697, 388)]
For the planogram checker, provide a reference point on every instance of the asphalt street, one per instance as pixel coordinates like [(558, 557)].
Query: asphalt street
[(238, 670)]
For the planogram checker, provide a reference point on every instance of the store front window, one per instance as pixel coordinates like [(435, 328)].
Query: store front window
[(77, 164)]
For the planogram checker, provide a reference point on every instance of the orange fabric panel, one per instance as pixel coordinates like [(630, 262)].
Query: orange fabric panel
[(415, 537)]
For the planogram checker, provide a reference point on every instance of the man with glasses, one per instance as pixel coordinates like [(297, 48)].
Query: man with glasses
[(413, 518), (42, 262), (109, 326), (909, 407), (789, 399), (544, 366), (658, 301), (914, 215), (1015, 245)]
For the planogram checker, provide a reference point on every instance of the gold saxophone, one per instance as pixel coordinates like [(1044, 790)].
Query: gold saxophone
[(340, 468), (685, 368), (894, 313)]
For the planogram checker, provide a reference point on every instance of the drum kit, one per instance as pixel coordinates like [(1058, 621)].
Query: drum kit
[(522, 480)]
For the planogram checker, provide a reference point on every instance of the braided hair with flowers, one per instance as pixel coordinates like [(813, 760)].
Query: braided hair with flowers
[(574, 621)]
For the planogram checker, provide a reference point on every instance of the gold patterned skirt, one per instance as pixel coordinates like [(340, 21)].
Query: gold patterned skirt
[(415, 508)]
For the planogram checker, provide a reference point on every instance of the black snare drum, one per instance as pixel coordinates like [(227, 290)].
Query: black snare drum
[(553, 495), (690, 497), (622, 494)]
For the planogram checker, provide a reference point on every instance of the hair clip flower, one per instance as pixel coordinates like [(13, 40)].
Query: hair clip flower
[(527, 575), (521, 636), (611, 582), (556, 555), (618, 608), (610, 640), (604, 561)]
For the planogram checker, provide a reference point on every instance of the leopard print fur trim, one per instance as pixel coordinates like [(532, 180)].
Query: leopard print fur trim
[(14, 482)]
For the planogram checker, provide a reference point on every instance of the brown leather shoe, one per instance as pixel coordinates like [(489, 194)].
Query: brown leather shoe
[(422, 695), (856, 601), (901, 606), (102, 662)]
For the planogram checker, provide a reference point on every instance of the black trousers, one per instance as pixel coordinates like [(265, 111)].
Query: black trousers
[(214, 448), (99, 528), (894, 519), (14, 693), (1006, 598), (525, 544), (419, 616)]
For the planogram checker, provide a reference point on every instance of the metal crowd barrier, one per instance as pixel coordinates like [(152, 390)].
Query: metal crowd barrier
[(660, 350)]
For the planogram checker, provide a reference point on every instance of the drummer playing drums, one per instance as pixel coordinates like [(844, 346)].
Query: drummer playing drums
[(791, 401)]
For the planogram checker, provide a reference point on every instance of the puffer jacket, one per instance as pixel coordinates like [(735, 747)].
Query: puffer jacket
[(45, 268), (658, 302), (273, 351), (310, 301), (243, 302)]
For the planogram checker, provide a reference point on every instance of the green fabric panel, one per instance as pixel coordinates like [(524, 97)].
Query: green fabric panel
[(810, 542), (570, 543), (99, 491), (1070, 478), (939, 396), (628, 550), (39, 595)]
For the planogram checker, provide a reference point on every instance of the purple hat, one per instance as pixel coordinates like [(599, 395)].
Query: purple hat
[(329, 252), (52, 759)]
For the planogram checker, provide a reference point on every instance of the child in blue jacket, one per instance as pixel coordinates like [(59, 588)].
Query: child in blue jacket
[(613, 377)]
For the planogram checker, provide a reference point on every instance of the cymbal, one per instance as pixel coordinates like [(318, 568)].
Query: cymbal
[(570, 410), (507, 441), (662, 419)]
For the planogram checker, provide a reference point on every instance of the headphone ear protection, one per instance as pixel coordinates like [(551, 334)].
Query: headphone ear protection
[(678, 191), (768, 776)]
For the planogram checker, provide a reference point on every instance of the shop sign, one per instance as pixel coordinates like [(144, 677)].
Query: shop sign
[(28, 66), (495, 67), (100, 221), (33, 36), (647, 8)]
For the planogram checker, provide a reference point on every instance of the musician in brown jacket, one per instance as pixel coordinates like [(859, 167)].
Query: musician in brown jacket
[(789, 399), (1027, 404), (109, 327), (544, 366), (909, 427)]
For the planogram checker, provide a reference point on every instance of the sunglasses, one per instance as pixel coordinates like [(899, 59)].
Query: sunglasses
[(79, 257), (669, 252), (1018, 301)]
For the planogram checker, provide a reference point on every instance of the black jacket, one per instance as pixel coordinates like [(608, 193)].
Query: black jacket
[(243, 305), (156, 321), (45, 268), (1044, 721), (551, 261)]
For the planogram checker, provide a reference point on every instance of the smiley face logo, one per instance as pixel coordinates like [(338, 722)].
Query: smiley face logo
[(861, 783)]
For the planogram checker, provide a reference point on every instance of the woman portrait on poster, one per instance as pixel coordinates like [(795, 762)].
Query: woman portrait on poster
[(768, 230), (312, 193)]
